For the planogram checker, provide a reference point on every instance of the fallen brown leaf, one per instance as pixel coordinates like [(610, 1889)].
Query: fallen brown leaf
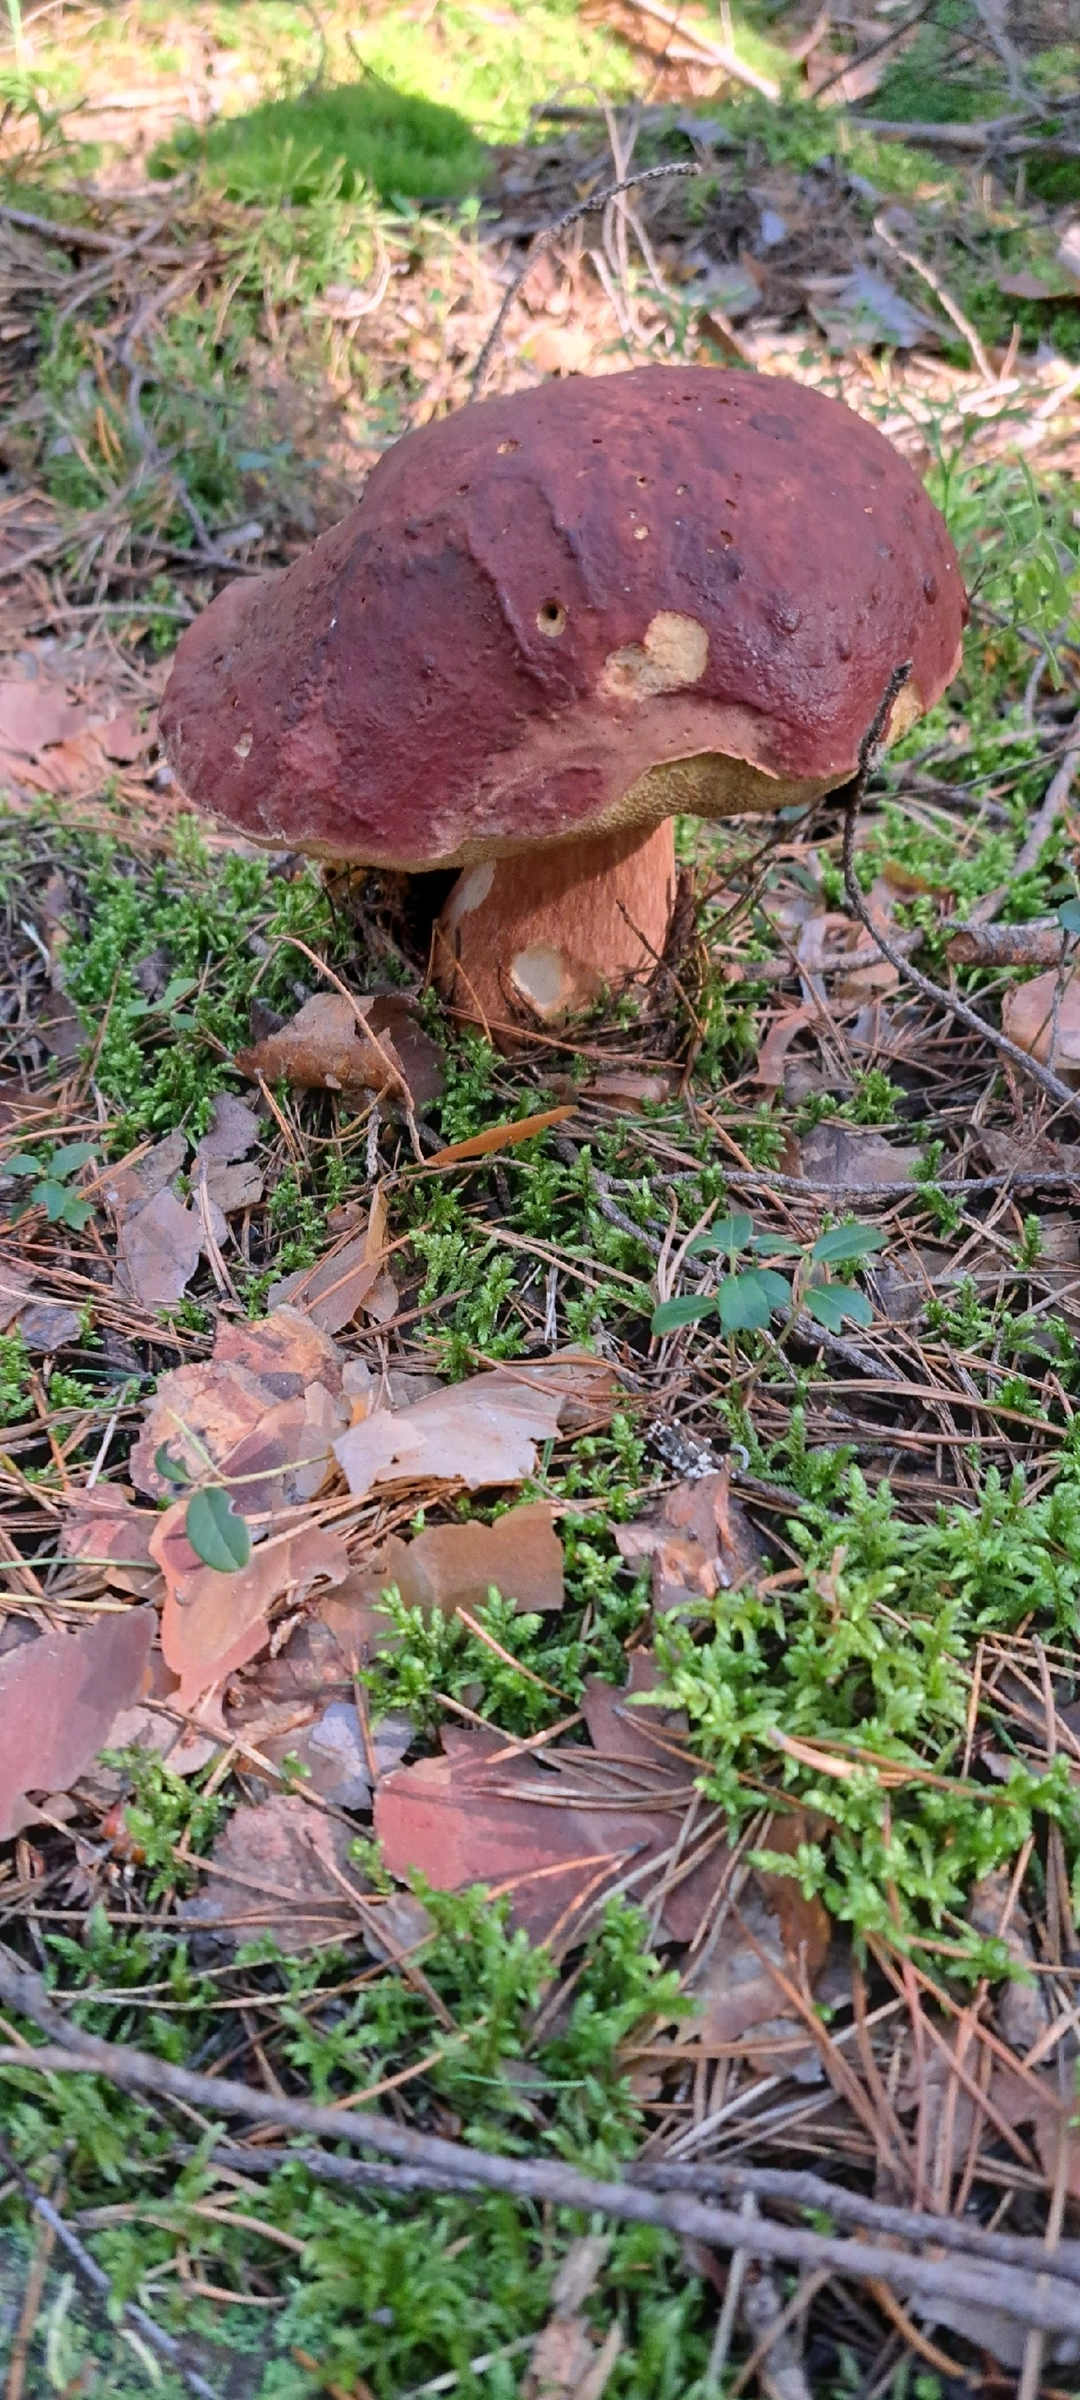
[(59, 1696), (34, 716), (279, 1870), (326, 1048), (353, 1276), (44, 1323), (702, 1542), (629, 1088), (266, 1405), (212, 1622), (448, 1566), (1043, 1017), (234, 1130), (423, 1059), (158, 1247), (838, 1157), (128, 1186), (552, 1841), (482, 1432), (103, 1528), (566, 2363)]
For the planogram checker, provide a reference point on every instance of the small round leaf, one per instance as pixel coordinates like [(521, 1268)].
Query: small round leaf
[(169, 1468), (743, 1304), (833, 1305), (846, 1243)]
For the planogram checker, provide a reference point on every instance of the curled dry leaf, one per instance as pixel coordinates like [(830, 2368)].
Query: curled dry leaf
[(279, 1869), (102, 1528), (234, 1130), (481, 1432), (702, 1542), (1043, 1017), (268, 1397), (59, 1696), (837, 1158), (351, 1277), (129, 1186), (215, 1622), (328, 1046)]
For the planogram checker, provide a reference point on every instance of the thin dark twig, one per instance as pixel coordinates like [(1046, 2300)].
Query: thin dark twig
[(584, 208), (1032, 2299), (154, 2335), (853, 798)]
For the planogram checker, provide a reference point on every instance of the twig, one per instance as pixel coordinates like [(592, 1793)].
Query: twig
[(1054, 805), (66, 237), (862, 58), (714, 54), (596, 202), (951, 307), (1043, 2300), (1042, 942), (163, 2344), (992, 137), (800, 2189), (1058, 1091)]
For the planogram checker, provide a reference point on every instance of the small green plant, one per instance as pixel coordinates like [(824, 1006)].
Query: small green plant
[(49, 1176), (749, 1296)]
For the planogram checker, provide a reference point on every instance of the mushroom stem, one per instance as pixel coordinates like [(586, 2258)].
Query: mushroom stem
[(538, 937)]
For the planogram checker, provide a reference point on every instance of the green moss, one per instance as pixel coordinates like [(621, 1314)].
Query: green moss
[(393, 142)]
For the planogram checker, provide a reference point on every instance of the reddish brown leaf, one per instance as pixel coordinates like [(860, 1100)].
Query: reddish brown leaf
[(103, 1528), (702, 1542), (554, 1842), (213, 1622), (59, 1696), (279, 1869), (451, 1566), (481, 1432), (1043, 1017), (500, 1137)]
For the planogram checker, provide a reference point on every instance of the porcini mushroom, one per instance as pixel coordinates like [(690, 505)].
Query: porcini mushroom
[(554, 621)]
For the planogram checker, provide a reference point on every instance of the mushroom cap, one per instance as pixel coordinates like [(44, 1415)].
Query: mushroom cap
[(581, 607)]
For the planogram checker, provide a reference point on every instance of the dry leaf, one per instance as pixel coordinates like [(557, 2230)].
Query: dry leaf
[(266, 1404), (501, 1137), (130, 1185), (44, 1323), (34, 716), (452, 1566), (58, 1698), (481, 1432), (279, 1871), (351, 1277), (769, 1069), (104, 1529), (158, 1249), (423, 1060), (629, 1088), (838, 1158), (234, 1130), (486, 1813), (213, 1622), (701, 1543), (286, 1350), (325, 1048), (1043, 1017), (330, 1747)]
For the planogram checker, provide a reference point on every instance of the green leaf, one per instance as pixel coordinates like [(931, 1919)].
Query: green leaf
[(845, 1244), (776, 1288), (24, 1163), (51, 1197), (687, 1311), (773, 1245), (1068, 916), (217, 1535), (743, 1304), (731, 1233), (169, 1468), (73, 1155), (74, 1211), (834, 1305)]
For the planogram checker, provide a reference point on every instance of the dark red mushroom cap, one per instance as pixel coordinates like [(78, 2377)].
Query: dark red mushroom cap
[(583, 606)]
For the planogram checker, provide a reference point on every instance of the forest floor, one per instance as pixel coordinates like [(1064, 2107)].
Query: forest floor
[(366, 1810)]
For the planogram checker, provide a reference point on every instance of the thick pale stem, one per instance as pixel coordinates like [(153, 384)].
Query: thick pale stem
[(536, 938)]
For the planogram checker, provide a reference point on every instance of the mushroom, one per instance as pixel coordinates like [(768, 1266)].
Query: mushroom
[(555, 621)]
